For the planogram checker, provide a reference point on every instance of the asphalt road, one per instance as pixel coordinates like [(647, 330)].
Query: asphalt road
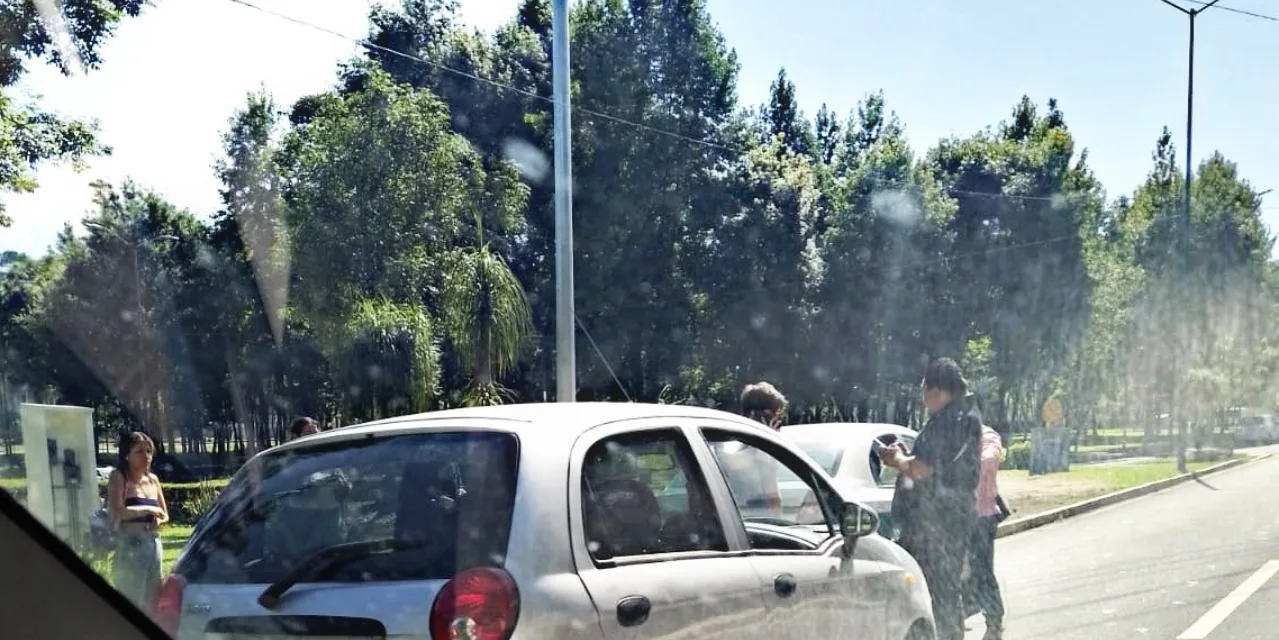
[(1152, 567)]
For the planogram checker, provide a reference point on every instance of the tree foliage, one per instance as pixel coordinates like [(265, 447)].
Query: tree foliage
[(387, 247), (69, 35)]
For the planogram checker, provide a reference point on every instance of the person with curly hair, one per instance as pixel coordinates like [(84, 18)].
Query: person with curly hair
[(762, 402)]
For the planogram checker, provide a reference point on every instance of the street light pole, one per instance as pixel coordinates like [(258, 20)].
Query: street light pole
[(565, 335), (1185, 210)]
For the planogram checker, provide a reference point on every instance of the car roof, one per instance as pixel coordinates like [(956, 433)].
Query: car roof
[(545, 420)]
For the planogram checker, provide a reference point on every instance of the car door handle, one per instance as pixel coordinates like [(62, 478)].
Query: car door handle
[(632, 611), (784, 585)]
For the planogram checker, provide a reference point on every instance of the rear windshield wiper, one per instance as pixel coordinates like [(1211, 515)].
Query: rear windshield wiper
[(328, 558), (217, 523)]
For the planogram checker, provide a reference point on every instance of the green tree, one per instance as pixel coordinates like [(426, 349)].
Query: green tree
[(785, 119), (487, 317), (391, 363), (69, 38), (380, 194), (120, 303), (758, 269), (880, 247), (263, 366), (1023, 195), (378, 190)]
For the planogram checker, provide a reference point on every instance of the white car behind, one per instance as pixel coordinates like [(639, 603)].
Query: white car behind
[(849, 452)]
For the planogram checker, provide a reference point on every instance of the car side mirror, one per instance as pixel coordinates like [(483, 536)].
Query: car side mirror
[(858, 521)]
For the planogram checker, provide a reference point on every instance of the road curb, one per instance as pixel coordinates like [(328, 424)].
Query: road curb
[(1071, 510)]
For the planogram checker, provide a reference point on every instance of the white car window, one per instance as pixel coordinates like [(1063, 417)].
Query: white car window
[(769, 484), (825, 453), (637, 497)]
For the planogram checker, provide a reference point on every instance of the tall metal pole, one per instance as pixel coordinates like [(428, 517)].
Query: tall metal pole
[(1186, 284), (565, 336), (1190, 123)]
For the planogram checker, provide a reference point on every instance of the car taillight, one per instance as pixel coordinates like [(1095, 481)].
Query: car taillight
[(477, 604), (168, 603)]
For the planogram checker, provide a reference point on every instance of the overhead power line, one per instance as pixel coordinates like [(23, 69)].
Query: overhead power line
[(1251, 14)]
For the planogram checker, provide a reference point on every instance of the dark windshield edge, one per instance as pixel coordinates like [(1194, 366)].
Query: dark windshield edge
[(24, 522)]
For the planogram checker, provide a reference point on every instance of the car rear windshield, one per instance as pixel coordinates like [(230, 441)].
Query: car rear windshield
[(455, 490), (825, 454)]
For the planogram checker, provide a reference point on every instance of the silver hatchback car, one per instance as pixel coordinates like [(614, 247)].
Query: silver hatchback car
[(540, 521)]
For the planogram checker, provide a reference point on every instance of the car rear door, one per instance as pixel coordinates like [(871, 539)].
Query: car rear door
[(657, 566), (809, 592)]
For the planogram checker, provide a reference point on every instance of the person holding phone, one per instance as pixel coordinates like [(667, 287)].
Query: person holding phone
[(882, 442), (934, 505)]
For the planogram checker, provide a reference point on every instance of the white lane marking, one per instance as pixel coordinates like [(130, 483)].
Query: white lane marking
[(1218, 613)]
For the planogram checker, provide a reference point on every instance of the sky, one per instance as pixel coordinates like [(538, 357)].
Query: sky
[(172, 78)]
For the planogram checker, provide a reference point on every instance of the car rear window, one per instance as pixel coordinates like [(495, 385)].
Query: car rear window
[(825, 454), (455, 489)]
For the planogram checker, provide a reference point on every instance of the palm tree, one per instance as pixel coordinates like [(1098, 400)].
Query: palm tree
[(487, 317), (392, 359)]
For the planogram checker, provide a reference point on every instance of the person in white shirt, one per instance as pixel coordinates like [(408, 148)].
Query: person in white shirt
[(753, 474)]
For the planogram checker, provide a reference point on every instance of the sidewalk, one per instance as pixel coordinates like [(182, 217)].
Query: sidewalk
[(1272, 449)]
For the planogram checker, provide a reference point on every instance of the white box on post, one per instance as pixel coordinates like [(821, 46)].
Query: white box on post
[(62, 482)]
